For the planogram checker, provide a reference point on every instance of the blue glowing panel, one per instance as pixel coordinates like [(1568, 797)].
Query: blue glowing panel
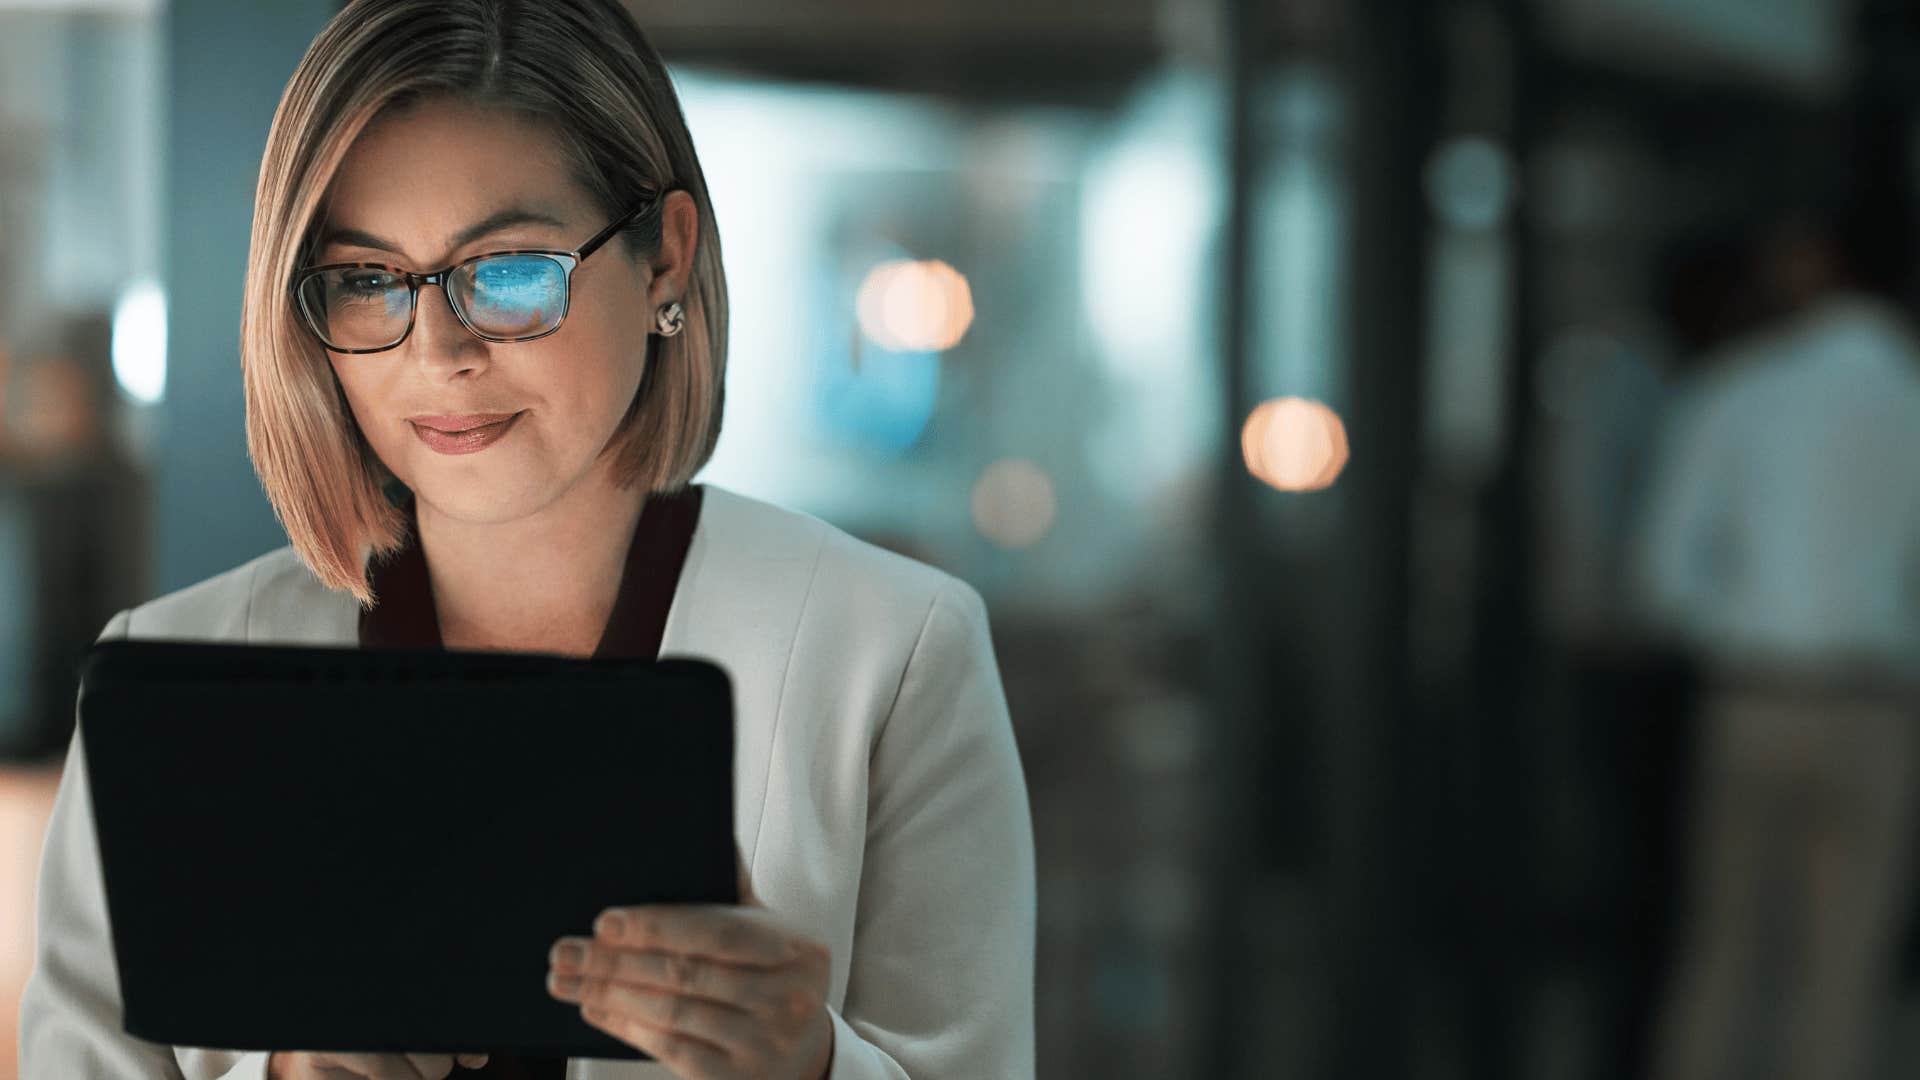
[(877, 400)]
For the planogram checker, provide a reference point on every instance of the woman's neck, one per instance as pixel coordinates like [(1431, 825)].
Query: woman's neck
[(542, 583)]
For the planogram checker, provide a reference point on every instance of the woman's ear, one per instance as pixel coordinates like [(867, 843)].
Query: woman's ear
[(672, 265)]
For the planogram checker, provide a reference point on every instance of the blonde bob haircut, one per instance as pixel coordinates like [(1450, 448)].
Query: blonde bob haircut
[(584, 71)]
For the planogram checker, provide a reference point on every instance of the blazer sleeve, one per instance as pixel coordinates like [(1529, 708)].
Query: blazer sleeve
[(70, 1008), (941, 979)]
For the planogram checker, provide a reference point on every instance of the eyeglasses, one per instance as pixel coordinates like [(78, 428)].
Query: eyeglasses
[(501, 296)]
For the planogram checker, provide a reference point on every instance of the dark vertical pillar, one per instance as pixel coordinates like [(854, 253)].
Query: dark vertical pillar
[(1236, 805), (1377, 747), (1500, 886), (1341, 610)]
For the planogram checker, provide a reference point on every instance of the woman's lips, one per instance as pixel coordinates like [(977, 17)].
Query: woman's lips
[(469, 441)]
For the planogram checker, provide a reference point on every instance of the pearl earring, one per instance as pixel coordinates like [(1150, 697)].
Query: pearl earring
[(670, 319)]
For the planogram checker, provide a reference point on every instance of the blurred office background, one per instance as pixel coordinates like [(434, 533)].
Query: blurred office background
[(1334, 401)]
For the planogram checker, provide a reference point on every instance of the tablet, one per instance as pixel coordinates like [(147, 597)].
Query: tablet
[(373, 850)]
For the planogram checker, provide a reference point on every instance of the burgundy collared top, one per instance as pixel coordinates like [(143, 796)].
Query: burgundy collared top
[(403, 616)]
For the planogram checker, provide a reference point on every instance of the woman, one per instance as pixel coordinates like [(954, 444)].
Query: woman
[(498, 457)]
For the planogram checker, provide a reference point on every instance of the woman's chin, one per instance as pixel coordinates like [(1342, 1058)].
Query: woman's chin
[(476, 503)]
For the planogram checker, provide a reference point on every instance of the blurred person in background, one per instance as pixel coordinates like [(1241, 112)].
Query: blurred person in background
[(1629, 696), (84, 503), (1779, 546)]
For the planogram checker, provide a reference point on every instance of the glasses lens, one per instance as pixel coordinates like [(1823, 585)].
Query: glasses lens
[(511, 296), (356, 307)]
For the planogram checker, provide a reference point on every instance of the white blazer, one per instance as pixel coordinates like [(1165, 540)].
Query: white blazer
[(878, 797)]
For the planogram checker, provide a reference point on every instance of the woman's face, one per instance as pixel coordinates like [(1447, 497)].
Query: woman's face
[(409, 188)]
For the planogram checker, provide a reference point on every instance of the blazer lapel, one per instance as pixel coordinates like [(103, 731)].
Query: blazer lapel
[(738, 605)]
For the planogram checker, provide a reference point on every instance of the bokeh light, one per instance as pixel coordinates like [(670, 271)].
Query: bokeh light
[(909, 305), (1470, 183), (140, 342), (1013, 503), (1294, 444)]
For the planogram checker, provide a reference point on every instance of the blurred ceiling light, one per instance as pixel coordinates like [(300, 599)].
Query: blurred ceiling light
[(906, 305), (84, 7), (1013, 503), (1803, 46), (1294, 444), (140, 342), (1150, 206)]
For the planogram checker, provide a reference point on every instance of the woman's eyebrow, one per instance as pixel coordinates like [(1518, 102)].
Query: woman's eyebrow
[(492, 223)]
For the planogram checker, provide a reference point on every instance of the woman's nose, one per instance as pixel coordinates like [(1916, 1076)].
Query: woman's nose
[(439, 340)]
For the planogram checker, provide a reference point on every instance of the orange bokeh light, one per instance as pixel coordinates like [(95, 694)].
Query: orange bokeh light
[(1294, 444), (1013, 503), (913, 306)]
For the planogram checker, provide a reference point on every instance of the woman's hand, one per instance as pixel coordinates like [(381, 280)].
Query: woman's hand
[(714, 991), (292, 1065)]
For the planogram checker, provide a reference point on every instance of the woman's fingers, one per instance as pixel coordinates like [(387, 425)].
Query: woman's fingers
[(346, 1066), (695, 976), (378, 1066), (709, 1021), (737, 935), (686, 1055), (431, 1066)]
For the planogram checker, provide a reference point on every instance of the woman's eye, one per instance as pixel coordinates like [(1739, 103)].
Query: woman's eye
[(368, 283)]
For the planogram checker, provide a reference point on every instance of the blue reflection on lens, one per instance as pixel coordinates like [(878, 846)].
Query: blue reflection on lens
[(517, 293)]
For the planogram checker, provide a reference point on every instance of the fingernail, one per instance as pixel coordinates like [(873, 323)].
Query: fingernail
[(568, 954), (611, 924)]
